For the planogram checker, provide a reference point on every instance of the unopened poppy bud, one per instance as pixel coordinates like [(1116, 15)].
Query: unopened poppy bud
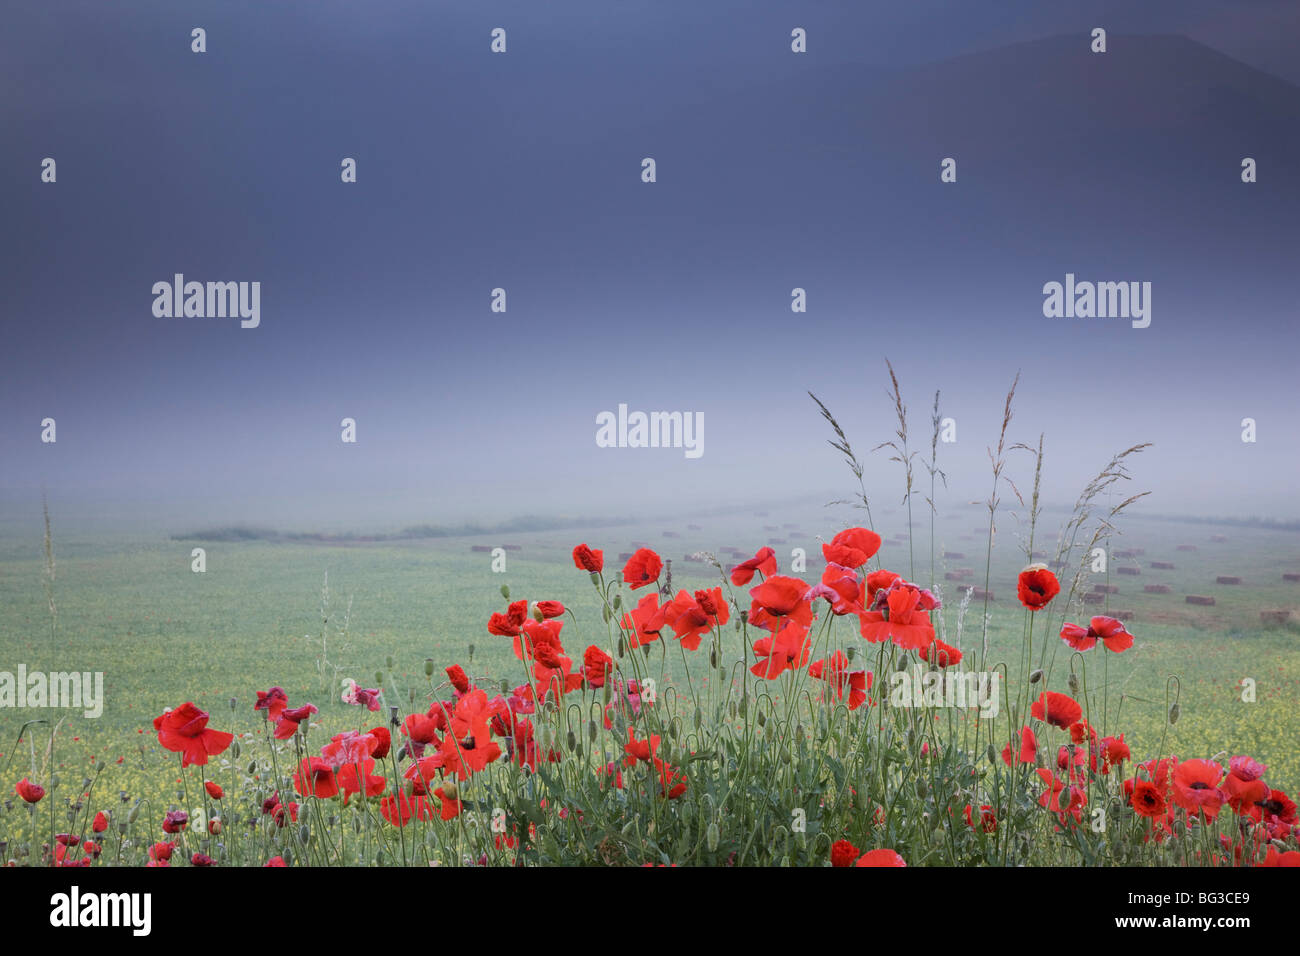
[(744, 707), (572, 740), (713, 657), (410, 696), (537, 613), (1036, 676), (428, 667), (698, 718), (620, 647), (618, 601), (505, 591), (712, 837), (901, 665), (133, 813), (304, 834), (471, 651), (761, 719), (234, 749), (921, 788), (991, 753), (1072, 682), (233, 703), (1173, 715)]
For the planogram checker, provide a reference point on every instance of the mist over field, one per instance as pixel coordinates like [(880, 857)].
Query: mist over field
[(816, 172)]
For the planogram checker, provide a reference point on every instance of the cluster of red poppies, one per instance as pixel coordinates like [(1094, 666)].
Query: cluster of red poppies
[(463, 734)]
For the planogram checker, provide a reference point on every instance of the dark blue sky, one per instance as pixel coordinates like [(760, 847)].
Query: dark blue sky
[(521, 170)]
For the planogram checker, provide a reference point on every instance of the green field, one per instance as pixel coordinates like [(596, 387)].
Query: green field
[(130, 606)]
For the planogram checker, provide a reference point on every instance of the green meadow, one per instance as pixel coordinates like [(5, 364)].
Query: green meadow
[(130, 606)]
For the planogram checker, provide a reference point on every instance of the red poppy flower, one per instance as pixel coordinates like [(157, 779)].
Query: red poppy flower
[(672, 782), (1113, 752), (202, 859), (780, 596), (214, 789), (175, 821), (1109, 631), (881, 858), (877, 580), (1273, 857), (643, 750), (275, 861), (844, 853), (1028, 748), (902, 618), (596, 666), (1147, 799), (314, 777), (383, 742), (644, 622), (787, 650), (1037, 586), (852, 547), (1196, 787), (359, 776), (763, 562), (943, 654), (549, 609), (642, 568), (585, 559), (988, 818), (509, 623), (289, 720), (185, 731), (449, 799), (1059, 710), (688, 618), (835, 671), (31, 792), (459, 679), (101, 822), (273, 701)]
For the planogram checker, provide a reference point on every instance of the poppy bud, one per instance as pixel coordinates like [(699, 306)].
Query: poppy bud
[(538, 616), (133, 812), (992, 754), (428, 667), (618, 601), (698, 718), (251, 768), (646, 648), (1173, 715), (234, 749), (572, 740), (505, 591), (731, 709), (1073, 683), (304, 835), (921, 788), (761, 719), (713, 657), (379, 678), (1036, 676), (233, 703), (620, 649), (744, 706), (712, 837), (470, 648)]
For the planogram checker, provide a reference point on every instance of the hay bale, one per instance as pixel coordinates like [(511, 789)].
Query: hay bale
[(480, 548), (1124, 615), (1200, 599), (1094, 598), (1274, 617), (1157, 589), (1227, 579), (1106, 588), (1187, 547), (954, 556), (1290, 576), (1131, 572), (1163, 565)]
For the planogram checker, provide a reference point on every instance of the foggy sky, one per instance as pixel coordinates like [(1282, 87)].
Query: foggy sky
[(522, 171)]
